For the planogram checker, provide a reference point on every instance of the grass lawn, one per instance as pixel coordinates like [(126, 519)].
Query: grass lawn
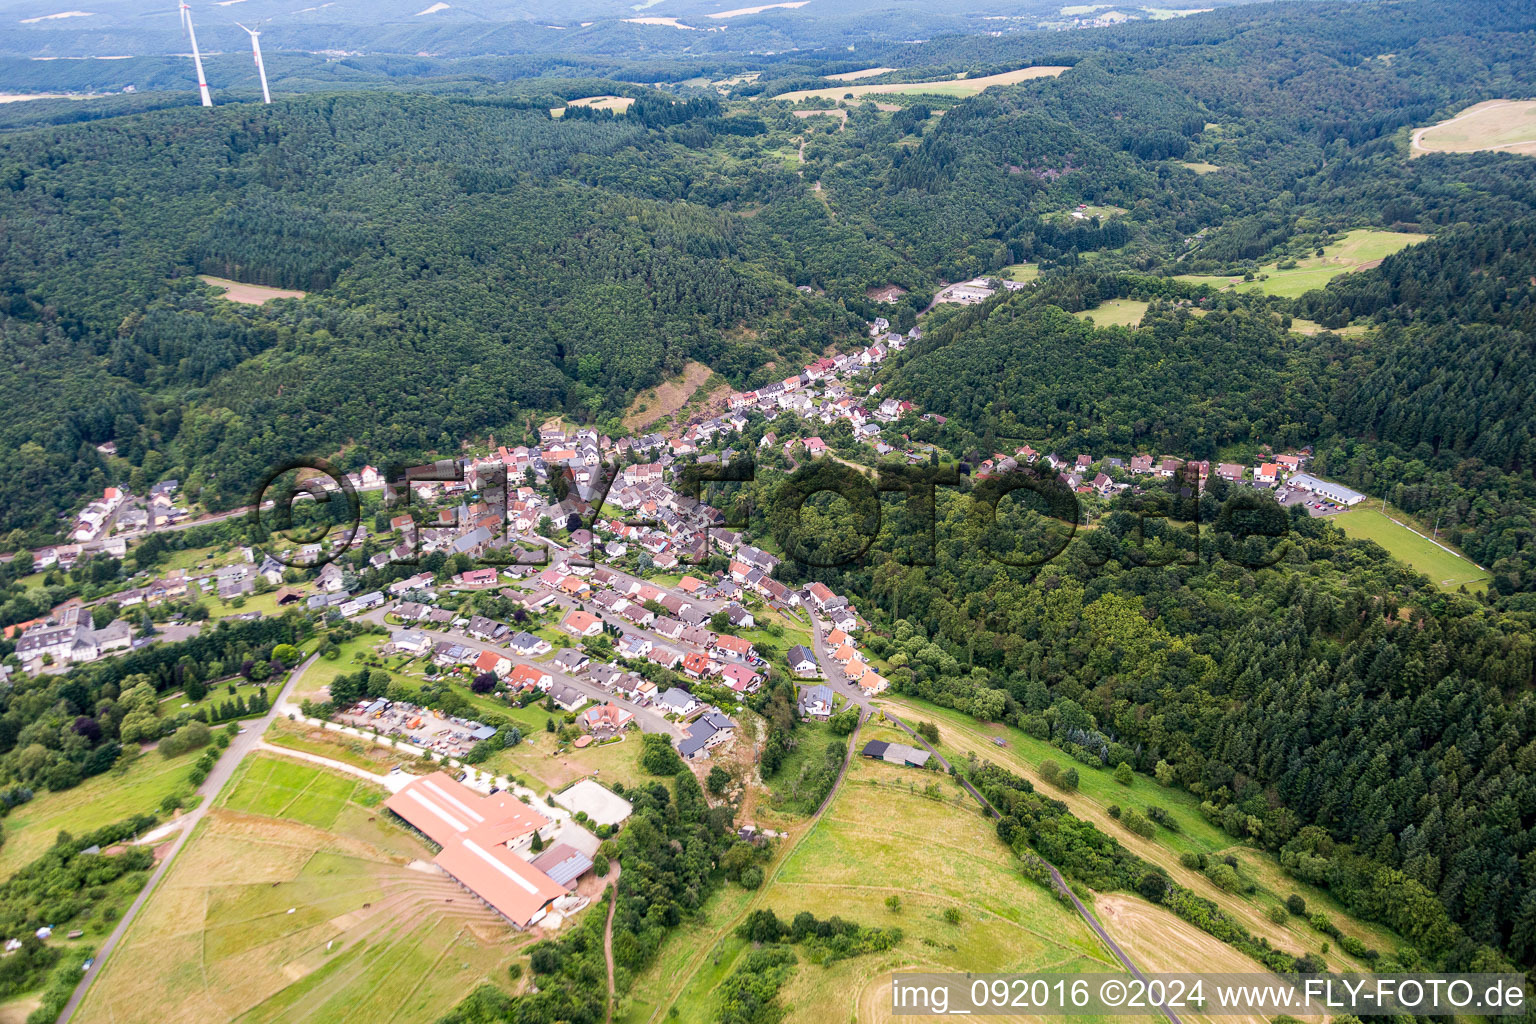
[(176, 703), (266, 603), (1097, 790), (1115, 313), (98, 801), (347, 661), (1446, 569), (552, 769), (1302, 326), (1020, 272), (314, 916), (1357, 250)]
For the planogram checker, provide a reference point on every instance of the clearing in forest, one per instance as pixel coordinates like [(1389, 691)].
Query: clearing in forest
[(617, 104), (1357, 250), (99, 801), (1115, 313), (666, 398), (297, 901), (948, 87), (249, 294), (1506, 125)]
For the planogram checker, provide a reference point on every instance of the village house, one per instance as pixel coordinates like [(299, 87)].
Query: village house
[(802, 662), (816, 701), (580, 623), (529, 677), (490, 661), (605, 719)]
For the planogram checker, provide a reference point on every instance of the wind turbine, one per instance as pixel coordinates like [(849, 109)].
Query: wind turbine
[(261, 69), (197, 58)]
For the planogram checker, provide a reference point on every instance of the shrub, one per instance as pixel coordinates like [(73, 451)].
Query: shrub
[(1224, 876), (1278, 914), (952, 915), (1138, 824), (188, 737), (1295, 904), (1123, 774), (658, 756)]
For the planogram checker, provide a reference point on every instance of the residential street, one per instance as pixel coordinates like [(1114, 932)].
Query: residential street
[(649, 719)]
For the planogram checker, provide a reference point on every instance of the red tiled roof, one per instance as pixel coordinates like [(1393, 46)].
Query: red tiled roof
[(515, 888)]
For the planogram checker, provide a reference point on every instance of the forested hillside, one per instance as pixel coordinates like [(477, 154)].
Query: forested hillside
[(471, 262)]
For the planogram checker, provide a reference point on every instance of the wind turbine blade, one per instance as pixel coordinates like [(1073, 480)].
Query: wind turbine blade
[(197, 59)]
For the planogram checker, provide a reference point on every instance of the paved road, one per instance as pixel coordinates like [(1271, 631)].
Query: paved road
[(240, 746)]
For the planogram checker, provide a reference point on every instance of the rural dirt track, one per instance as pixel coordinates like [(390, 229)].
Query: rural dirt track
[(613, 905), (691, 968), (248, 740), (1056, 879)]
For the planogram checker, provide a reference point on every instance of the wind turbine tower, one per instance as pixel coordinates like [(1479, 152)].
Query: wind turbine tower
[(261, 69), (197, 58)]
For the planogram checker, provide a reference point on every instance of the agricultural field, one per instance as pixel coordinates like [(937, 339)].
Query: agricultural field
[(297, 901), (1506, 125), (95, 803), (249, 294), (1446, 569), (1356, 250), (1097, 790), (882, 836), (1116, 313), (853, 76), (1199, 166), (948, 87)]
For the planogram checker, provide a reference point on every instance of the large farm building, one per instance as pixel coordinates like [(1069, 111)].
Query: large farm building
[(480, 836)]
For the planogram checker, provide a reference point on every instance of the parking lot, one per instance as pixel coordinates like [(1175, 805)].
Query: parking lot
[(1316, 507)]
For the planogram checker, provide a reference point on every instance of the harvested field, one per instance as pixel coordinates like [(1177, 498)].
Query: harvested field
[(837, 112), (948, 87), (617, 104), (1159, 941), (1506, 125), (249, 294), (853, 76), (738, 12)]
